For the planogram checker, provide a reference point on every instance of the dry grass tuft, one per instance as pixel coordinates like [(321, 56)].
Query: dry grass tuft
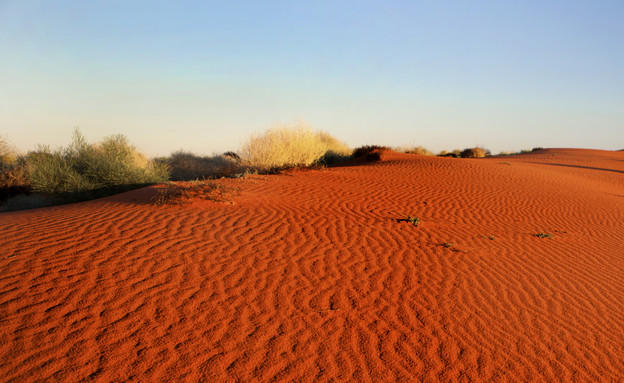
[(284, 146)]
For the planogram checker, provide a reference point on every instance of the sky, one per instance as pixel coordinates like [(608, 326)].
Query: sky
[(203, 76)]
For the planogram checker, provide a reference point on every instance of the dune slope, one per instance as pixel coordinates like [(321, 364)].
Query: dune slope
[(311, 276)]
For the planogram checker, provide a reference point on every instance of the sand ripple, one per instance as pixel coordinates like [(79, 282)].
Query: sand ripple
[(310, 277)]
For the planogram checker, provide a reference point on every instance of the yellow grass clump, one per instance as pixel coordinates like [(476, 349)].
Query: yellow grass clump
[(284, 146)]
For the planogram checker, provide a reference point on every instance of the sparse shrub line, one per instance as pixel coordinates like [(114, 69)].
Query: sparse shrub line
[(77, 172), (114, 164)]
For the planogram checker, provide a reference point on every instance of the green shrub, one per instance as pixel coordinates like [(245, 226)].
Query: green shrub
[(52, 172), (112, 165), (285, 146)]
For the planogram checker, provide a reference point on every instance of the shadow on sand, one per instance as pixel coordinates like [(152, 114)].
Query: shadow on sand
[(581, 167)]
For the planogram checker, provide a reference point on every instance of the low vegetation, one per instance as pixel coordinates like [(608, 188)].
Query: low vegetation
[(370, 153), (336, 150), (523, 151), (13, 180), (475, 152), (505, 153), (420, 150), (77, 172), (413, 220), (8, 155), (184, 166), (285, 146), (83, 170), (109, 166), (455, 153), (544, 235), (183, 192)]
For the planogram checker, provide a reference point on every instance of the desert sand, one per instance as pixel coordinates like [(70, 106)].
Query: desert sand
[(311, 276)]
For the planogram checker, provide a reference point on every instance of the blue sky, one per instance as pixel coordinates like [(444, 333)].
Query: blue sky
[(203, 75)]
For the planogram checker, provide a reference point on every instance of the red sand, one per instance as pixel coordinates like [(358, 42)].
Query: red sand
[(309, 277)]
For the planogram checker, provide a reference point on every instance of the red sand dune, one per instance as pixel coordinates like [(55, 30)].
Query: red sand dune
[(309, 276)]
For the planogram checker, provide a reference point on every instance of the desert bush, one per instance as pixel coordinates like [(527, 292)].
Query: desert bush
[(112, 165), (505, 153), (369, 151), (51, 172), (475, 152), (336, 150), (455, 153), (185, 166), (285, 146), (13, 181), (8, 154), (418, 150)]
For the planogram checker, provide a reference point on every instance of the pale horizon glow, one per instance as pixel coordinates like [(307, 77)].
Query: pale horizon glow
[(202, 75)]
